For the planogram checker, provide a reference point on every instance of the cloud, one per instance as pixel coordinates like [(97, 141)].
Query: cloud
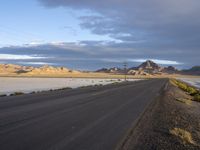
[(162, 30), (158, 61), (89, 55), (36, 63), (19, 57), (137, 18)]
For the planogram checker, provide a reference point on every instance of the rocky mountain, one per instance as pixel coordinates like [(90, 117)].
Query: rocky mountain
[(110, 70), (146, 68), (137, 72), (170, 70), (149, 67)]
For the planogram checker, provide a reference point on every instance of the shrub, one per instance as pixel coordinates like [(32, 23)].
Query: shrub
[(192, 91), (65, 88), (186, 101), (3, 95), (197, 97), (182, 86), (184, 135), (17, 93)]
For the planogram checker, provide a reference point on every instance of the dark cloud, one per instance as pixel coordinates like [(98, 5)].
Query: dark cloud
[(162, 29), (89, 55)]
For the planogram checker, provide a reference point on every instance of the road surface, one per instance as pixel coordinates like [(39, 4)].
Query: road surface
[(92, 118)]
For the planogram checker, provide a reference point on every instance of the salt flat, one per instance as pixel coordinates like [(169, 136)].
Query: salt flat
[(10, 85), (193, 81)]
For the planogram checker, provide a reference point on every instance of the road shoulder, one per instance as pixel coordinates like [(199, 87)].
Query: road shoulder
[(170, 122)]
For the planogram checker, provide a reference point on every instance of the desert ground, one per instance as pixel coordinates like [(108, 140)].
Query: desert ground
[(151, 113)]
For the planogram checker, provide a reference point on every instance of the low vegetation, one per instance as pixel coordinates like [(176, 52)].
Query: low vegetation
[(3, 95), (185, 87), (197, 97), (184, 135), (189, 89), (186, 101), (17, 93), (61, 89)]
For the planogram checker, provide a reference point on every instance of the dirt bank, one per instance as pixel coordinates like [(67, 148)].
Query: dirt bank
[(172, 122)]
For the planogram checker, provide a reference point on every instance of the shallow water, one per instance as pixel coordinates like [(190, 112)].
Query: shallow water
[(10, 85)]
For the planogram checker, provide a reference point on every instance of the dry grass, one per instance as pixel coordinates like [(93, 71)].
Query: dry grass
[(197, 97), (172, 81), (185, 87), (192, 91), (17, 93), (184, 135), (183, 100)]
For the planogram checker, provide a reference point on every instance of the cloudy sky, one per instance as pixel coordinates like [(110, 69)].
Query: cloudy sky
[(93, 34)]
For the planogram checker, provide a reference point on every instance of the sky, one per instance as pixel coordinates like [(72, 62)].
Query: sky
[(88, 35)]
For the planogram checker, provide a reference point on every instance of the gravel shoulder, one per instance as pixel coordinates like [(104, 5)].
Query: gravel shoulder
[(172, 121)]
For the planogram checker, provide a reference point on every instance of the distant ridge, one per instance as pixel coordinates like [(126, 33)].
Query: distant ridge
[(29, 70), (193, 71), (146, 68)]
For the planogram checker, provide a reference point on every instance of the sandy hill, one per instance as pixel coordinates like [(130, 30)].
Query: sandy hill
[(10, 69)]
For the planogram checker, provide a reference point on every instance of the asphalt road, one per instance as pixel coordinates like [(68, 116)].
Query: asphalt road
[(93, 118)]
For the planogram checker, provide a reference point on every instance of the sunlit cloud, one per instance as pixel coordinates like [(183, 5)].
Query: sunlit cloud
[(36, 63), (19, 57), (159, 61)]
